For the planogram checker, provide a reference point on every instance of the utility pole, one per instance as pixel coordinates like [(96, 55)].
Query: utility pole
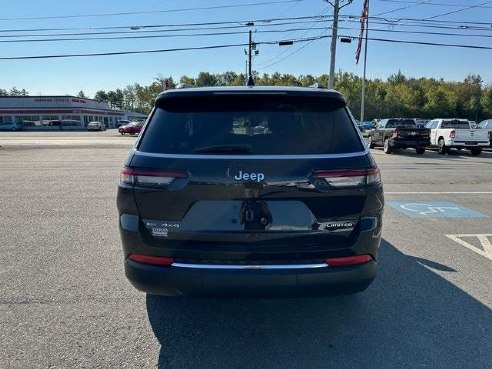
[(363, 92), (333, 48), (334, 35), (250, 56)]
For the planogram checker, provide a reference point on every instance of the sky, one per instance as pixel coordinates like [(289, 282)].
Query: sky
[(41, 28)]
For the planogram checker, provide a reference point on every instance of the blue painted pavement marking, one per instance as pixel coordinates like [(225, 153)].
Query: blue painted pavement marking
[(434, 209)]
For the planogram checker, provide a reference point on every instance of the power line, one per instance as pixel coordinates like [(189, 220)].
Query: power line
[(426, 43), (153, 30), (154, 11), (404, 7), (435, 4), (121, 52), (261, 22), (157, 36), (319, 15), (295, 51), (457, 11), (395, 21), (242, 23), (462, 26), (146, 51), (429, 33), (284, 31), (309, 40)]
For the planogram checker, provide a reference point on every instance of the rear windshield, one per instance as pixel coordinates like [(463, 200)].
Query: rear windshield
[(463, 124), (394, 123), (251, 125)]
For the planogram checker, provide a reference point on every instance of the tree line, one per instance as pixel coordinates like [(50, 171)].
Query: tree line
[(397, 96)]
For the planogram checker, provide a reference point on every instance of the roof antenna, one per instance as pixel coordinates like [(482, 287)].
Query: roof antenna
[(250, 82)]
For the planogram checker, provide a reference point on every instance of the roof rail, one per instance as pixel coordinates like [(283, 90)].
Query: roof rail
[(183, 85), (317, 85)]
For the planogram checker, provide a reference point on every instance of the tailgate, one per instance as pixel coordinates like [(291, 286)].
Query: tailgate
[(473, 135), (216, 203)]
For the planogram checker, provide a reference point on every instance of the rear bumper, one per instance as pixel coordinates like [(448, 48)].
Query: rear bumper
[(467, 144), (183, 281), (408, 143)]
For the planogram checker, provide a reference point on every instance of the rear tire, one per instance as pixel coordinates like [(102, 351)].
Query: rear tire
[(441, 147), (476, 152), (420, 150), (387, 148)]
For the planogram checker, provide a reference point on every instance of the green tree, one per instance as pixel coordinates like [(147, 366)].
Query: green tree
[(14, 91), (226, 79), (101, 95), (187, 80), (440, 102), (470, 94), (119, 99), (112, 99), (205, 79), (486, 103)]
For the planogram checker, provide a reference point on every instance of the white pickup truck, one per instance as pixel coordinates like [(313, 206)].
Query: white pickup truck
[(456, 133)]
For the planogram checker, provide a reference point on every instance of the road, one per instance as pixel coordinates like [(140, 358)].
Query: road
[(65, 303)]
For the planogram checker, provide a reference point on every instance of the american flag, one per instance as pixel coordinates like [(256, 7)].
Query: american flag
[(363, 19)]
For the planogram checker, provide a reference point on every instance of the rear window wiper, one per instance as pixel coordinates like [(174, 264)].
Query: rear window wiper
[(240, 149)]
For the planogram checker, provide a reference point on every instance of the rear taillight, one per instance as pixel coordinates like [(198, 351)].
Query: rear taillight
[(452, 134), (349, 260), (395, 133), (150, 178), (154, 260), (349, 178), (373, 176)]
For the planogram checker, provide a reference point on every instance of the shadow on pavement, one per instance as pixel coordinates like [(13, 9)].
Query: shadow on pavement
[(410, 317)]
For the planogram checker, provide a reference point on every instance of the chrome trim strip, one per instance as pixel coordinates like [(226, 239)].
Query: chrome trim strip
[(251, 157), (246, 267)]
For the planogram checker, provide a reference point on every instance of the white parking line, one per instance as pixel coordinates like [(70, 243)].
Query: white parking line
[(484, 241)]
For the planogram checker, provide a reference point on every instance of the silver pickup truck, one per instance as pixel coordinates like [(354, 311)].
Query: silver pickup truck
[(456, 133)]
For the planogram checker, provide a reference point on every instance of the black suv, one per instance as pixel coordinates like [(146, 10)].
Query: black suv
[(262, 191)]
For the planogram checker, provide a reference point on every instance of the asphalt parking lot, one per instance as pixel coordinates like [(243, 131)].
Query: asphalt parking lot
[(65, 302)]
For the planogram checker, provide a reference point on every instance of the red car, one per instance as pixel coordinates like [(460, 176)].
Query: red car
[(131, 128)]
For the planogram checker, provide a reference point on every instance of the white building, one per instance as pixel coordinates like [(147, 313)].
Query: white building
[(60, 112)]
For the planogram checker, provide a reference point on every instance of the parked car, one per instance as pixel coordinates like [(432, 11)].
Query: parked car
[(359, 125), (131, 128), (399, 133), (368, 124), (209, 206), (121, 122), (487, 125), (96, 126), (10, 126), (457, 133)]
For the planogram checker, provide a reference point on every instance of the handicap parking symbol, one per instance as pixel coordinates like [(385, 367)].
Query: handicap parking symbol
[(434, 209)]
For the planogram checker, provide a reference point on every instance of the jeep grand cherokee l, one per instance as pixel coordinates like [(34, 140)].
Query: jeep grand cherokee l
[(250, 191)]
